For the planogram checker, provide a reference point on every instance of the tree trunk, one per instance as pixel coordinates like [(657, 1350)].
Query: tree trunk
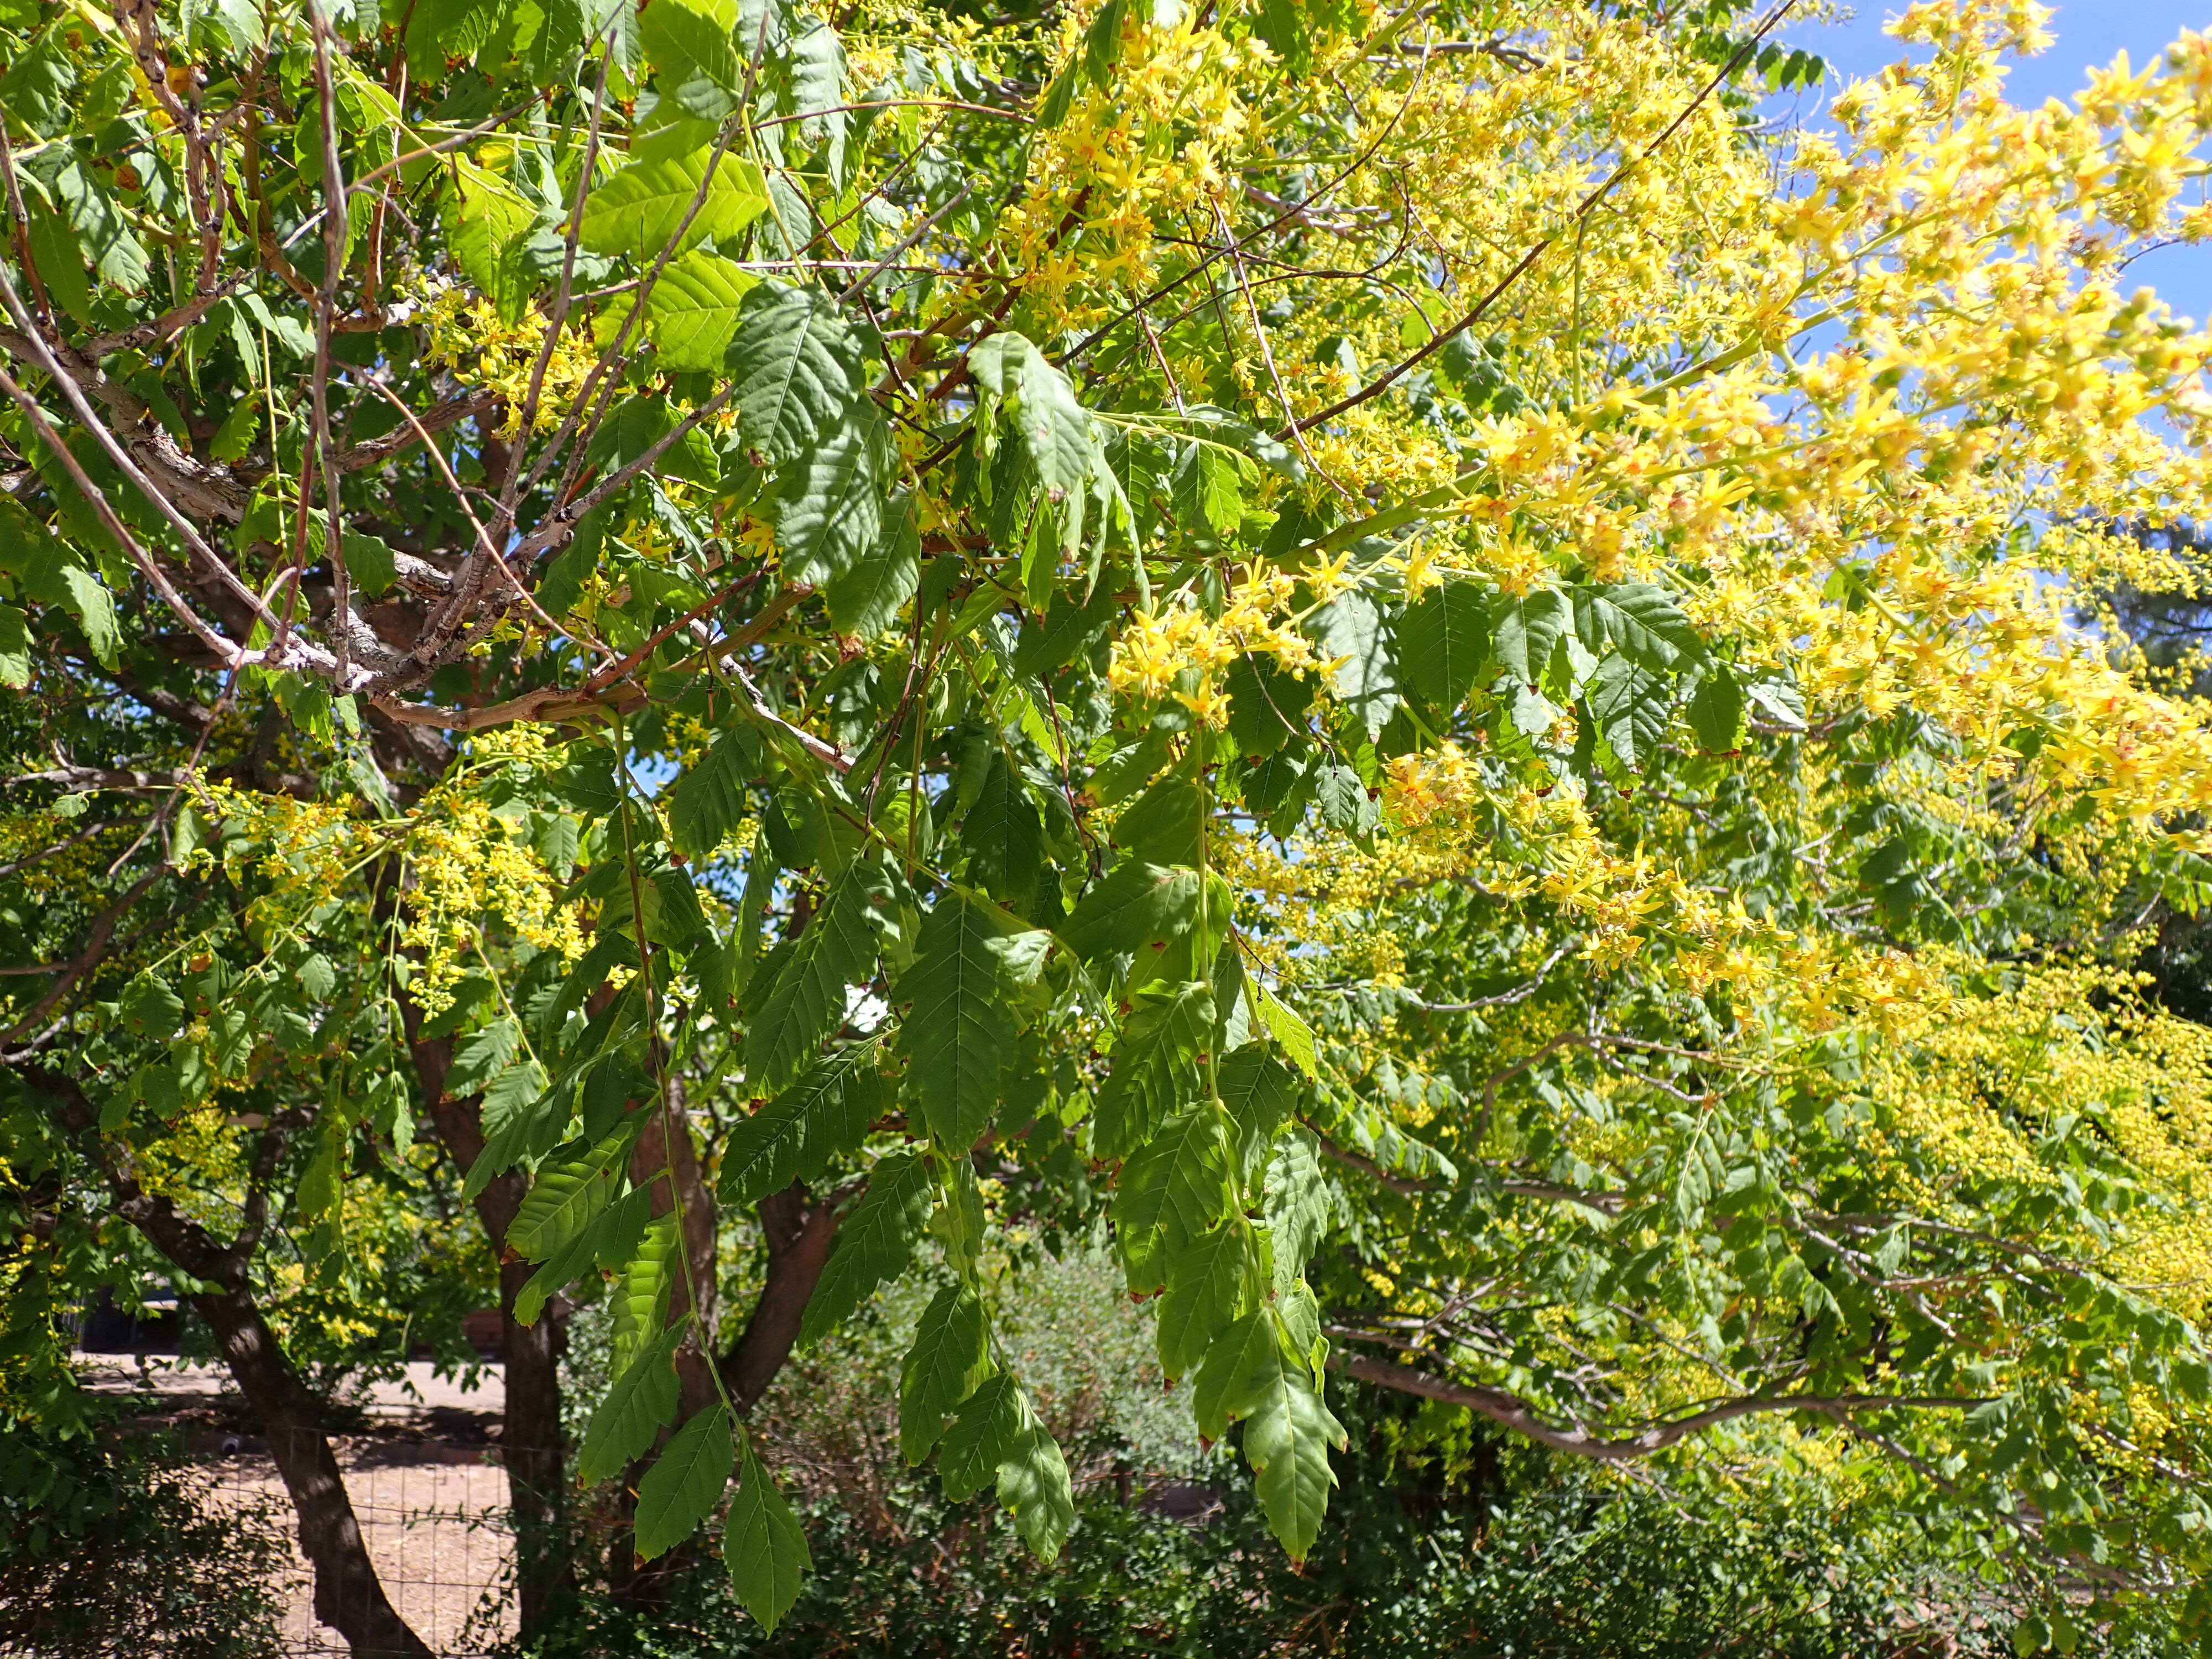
[(531, 1442), (349, 1595), (799, 1233)]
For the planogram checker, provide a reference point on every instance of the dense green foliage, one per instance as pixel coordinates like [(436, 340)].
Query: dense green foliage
[(683, 657)]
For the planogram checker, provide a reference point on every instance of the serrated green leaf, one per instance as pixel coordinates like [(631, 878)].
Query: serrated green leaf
[(1716, 709), (874, 1243), (1444, 643), (682, 1488), (1297, 1202), (1003, 835), (1035, 1488), (627, 1420), (817, 68), (14, 648), (693, 45), (990, 1421), (763, 1546), (1268, 705), (1166, 825), (1284, 1025), (693, 313), (1155, 1064), (1349, 633), (611, 1240), (1631, 707), (1261, 1093), (153, 1008), (830, 514), (708, 800), (826, 1111), (565, 1199), (488, 220), (1137, 906), (93, 607), (959, 1034), (806, 1002), (1288, 1431), (949, 1359), (867, 600), (640, 1298), (54, 253), (1209, 496), (637, 211), (1640, 621), (1212, 1283), (1055, 429), (1058, 97), (482, 1054), (1173, 1189), (798, 367), (1101, 43), (1226, 1389), (1525, 627)]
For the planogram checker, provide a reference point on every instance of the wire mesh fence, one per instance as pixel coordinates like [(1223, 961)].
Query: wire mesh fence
[(434, 1521)]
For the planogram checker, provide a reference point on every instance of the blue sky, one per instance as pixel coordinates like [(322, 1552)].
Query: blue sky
[(2090, 32)]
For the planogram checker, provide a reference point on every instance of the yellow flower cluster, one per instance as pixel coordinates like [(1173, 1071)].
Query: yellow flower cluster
[(1143, 156), (471, 866), (469, 336), (1180, 649)]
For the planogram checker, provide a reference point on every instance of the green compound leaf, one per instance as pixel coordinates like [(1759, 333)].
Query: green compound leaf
[(798, 367), (948, 1360), (763, 1546), (681, 1488), (873, 1245)]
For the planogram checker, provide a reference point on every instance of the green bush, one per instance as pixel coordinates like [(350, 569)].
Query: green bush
[(1451, 1540), (109, 1546)]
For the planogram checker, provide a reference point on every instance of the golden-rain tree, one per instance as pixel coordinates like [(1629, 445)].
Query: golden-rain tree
[(1380, 648)]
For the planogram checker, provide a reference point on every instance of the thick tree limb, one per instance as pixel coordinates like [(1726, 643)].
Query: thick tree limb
[(800, 1231)]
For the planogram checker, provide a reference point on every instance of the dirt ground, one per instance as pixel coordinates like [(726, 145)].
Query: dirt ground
[(421, 1464)]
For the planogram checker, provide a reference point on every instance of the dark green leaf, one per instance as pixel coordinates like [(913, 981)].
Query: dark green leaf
[(1136, 906), (948, 1359), (681, 1488), (798, 368), (763, 1546), (826, 1112), (874, 1243), (806, 1002), (1444, 643)]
